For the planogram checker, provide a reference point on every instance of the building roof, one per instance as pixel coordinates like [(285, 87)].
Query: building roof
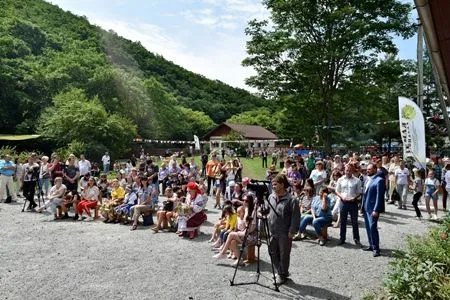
[(434, 15), (252, 131)]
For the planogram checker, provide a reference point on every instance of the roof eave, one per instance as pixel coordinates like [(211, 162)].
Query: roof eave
[(424, 11)]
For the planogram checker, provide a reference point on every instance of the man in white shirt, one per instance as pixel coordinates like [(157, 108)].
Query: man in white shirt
[(348, 188), (106, 160), (84, 165)]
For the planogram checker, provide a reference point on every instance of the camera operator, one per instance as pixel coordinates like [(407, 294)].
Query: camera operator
[(284, 217), (29, 179)]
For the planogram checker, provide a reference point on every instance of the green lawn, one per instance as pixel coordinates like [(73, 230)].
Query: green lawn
[(252, 167)]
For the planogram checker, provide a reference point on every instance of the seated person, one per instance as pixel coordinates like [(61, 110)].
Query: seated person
[(145, 202), (230, 225), (320, 215), (89, 200), (107, 208), (162, 222), (194, 215), (220, 224), (236, 196), (103, 186), (246, 221), (123, 210), (71, 199), (55, 197)]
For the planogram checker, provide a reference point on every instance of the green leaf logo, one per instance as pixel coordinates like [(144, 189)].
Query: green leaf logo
[(408, 112)]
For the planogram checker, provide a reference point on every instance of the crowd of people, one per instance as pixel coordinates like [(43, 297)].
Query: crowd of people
[(305, 191)]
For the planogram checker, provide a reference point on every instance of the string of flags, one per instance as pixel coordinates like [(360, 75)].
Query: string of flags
[(141, 140)]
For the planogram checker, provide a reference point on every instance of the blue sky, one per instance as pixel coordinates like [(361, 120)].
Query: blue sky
[(203, 36)]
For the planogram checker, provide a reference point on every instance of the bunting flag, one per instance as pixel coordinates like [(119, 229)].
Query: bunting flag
[(141, 140), (412, 130)]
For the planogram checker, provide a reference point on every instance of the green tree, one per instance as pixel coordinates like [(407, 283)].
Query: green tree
[(311, 47), (75, 119)]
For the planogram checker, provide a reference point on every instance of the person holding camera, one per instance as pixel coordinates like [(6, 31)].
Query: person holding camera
[(284, 217), (29, 179)]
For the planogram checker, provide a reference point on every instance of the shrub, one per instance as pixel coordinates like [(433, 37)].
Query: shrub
[(423, 271)]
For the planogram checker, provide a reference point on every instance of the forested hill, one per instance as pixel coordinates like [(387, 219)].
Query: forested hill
[(57, 71)]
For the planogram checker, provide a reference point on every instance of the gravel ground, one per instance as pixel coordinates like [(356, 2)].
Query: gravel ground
[(40, 258)]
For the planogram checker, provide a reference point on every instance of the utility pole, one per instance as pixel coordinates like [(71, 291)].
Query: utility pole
[(420, 66)]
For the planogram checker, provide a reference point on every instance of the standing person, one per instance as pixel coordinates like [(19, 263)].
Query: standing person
[(417, 187), (373, 206), (211, 166), (402, 181), (29, 179), (133, 160), (446, 184), (56, 168), (7, 170), (106, 160), (204, 160), (348, 189), (310, 162), (264, 155), (84, 165), (44, 175), (432, 185), (283, 218), (318, 175)]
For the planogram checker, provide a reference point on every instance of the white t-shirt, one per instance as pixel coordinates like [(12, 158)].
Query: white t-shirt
[(84, 166), (402, 176), (447, 179), (105, 159)]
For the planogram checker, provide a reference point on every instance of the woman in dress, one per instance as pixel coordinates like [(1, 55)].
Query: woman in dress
[(194, 201), (89, 200)]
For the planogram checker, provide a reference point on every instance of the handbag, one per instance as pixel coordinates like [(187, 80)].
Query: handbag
[(168, 205)]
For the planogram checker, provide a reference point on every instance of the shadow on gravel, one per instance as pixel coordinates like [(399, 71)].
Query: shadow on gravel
[(292, 290), (299, 291), (393, 221)]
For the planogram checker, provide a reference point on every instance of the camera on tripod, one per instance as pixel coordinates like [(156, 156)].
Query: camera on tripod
[(261, 190)]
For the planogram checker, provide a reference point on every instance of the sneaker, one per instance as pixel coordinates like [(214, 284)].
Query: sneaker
[(75, 218), (434, 217), (89, 219), (430, 217), (220, 256), (279, 280), (322, 242), (419, 218), (80, 218)]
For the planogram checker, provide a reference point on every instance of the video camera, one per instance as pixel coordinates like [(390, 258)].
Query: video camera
[(260, 188)]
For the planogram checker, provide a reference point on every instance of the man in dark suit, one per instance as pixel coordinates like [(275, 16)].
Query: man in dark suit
[(373, 205)]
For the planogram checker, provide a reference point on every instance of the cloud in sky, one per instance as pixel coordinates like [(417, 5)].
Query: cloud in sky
[(203, 36)]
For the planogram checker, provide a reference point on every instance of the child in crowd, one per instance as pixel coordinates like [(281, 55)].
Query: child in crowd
[(166, 211), (220, 224), (124, 210), (230, 225)]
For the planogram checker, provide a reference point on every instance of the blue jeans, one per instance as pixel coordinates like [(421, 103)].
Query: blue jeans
[(45, 183), (352, 208), (372, 231), (106, 168), (317, 223)]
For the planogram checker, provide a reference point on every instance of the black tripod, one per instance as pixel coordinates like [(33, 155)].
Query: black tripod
[(38, 191), (262, 233)]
